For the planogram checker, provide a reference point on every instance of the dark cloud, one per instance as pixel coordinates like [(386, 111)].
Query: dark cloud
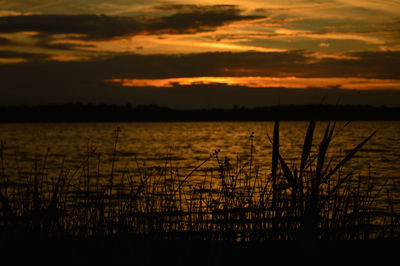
[(190, 20), (198, 18), (58, 82), (275, 64), (92, 26), (194, 8), (365, 64), (62, 46), (32, 57), (202, 64), (46, 41), (278, 64)]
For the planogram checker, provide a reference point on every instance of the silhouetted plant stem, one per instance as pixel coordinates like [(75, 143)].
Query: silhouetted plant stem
[(275, 156), (116, 135)]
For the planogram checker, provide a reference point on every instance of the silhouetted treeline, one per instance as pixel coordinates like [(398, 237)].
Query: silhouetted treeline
[(78, 112)]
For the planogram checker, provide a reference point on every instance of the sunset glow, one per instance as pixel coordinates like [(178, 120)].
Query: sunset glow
[(265, 82), (108, 46)]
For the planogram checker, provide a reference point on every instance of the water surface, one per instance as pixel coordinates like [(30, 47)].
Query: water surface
[(184, 145)]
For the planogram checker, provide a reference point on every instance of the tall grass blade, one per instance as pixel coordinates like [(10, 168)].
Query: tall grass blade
[(305, 155), (275, 156), (306, 147), (275, 151), (288, 174), (323, 148)]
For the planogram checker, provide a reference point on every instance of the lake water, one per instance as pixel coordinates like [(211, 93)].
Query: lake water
[(184, 145)]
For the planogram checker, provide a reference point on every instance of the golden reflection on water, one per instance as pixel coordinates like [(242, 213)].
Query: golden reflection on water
[(183, 145)]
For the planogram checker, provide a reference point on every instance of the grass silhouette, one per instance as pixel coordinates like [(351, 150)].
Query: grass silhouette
[(316, 200)]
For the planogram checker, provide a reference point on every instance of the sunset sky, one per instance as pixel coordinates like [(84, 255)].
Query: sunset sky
[(195, 54)]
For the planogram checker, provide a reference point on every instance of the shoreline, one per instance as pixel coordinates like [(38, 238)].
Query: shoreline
[(152, 113)]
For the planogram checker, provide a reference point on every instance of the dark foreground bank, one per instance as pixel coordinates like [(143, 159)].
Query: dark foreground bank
[(135, 251), (123, 113)]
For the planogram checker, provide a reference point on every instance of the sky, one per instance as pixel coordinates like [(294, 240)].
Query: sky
[(200, 54)]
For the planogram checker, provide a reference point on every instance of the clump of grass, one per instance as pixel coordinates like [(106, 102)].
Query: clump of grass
[(312, 201)]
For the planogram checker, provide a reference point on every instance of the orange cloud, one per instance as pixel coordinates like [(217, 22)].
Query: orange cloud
[(12, 60)]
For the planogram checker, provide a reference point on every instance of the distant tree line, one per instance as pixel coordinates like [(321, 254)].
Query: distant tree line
[(79, 112)]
